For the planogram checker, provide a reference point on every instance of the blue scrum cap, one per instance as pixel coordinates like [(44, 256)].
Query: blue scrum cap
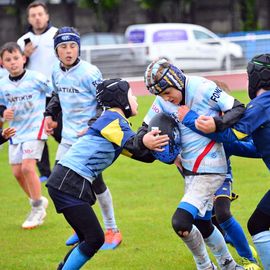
[(66, 34)]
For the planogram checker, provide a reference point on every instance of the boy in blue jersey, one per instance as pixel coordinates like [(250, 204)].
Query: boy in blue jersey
[(203, 161), (255, 122), (75, 83), (22, 102), (6, 133), (71, 182)]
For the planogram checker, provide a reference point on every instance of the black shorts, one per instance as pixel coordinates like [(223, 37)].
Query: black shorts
[(69, 182)]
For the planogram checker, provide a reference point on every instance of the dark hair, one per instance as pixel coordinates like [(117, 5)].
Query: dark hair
[(10, 47), (37, 4)]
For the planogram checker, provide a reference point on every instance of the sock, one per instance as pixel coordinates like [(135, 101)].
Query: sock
[(237, 237), (36, 203), (195, 243), (262, 244), (75, 260), (106, 205), (218, 246)]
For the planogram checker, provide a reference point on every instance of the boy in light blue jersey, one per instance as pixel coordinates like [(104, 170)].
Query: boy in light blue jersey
[(203, 161), (22, 101), (75, 82), (256, 123), (71, 182)]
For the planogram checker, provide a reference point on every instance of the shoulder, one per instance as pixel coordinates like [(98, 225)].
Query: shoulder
[(35, 75), (89, 67), (51, 31)]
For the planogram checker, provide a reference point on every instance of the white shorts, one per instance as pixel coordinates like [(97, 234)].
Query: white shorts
[(26, 150), (61, 150), (200, 190)]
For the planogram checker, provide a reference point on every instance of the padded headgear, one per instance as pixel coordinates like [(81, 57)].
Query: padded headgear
[(114, 93), (160, 75), (66, 34), (258, 70), (167, 125)]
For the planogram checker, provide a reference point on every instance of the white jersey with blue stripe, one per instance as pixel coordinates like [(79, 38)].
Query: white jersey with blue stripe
[(76, 89), (27, 98), (198, 154)]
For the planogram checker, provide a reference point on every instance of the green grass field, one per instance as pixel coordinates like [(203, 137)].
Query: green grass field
[(145, 197)]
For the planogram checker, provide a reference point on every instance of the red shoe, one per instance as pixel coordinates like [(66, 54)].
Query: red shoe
[(113, 239)]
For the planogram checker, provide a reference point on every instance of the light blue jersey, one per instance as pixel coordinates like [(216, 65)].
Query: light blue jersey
[(199, 154), (27, 98), (98, 149), (76, 89)]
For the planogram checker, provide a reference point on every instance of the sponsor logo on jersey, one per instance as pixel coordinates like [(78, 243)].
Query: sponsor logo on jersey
[(216, 94), (14, 99), (68, 90)]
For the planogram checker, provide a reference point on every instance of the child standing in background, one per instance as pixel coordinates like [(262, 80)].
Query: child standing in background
[(22, 101)]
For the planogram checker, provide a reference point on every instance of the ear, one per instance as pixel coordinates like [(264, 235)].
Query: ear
[(24, 59)]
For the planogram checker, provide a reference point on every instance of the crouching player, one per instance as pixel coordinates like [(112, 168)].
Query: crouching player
[(70, 184)]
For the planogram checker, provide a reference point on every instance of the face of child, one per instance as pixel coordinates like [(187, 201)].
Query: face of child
[(132, 102), (38, 18), (13, 62), (68, 53), (172, 95)]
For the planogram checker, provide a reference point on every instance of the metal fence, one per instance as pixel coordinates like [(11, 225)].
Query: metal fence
[(131, 60)]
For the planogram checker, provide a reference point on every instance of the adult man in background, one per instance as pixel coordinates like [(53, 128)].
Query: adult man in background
[(37, 45)]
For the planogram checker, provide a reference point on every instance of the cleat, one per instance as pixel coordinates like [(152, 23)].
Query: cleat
[(45, 202), (113, 239), (72, 240), (231, 265), (35, 218), (249, 265), (37, 214)]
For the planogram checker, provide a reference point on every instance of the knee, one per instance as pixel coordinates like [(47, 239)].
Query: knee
[(26, 169), (182, 222), (95, 243)]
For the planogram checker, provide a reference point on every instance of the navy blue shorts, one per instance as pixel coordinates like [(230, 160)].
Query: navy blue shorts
[(225, 190)]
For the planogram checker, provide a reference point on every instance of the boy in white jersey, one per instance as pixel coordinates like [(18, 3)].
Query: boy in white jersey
[(75, 83), (203, 161), (22, 99)]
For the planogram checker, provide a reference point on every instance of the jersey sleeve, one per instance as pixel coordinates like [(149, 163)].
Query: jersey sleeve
[(253, 118), (117, 131)]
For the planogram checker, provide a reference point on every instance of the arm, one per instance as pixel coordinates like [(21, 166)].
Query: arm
[(6, 133), (54, 107), (226, 136), (230, 117), (242, 149), (2, 109), (140, 144)]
